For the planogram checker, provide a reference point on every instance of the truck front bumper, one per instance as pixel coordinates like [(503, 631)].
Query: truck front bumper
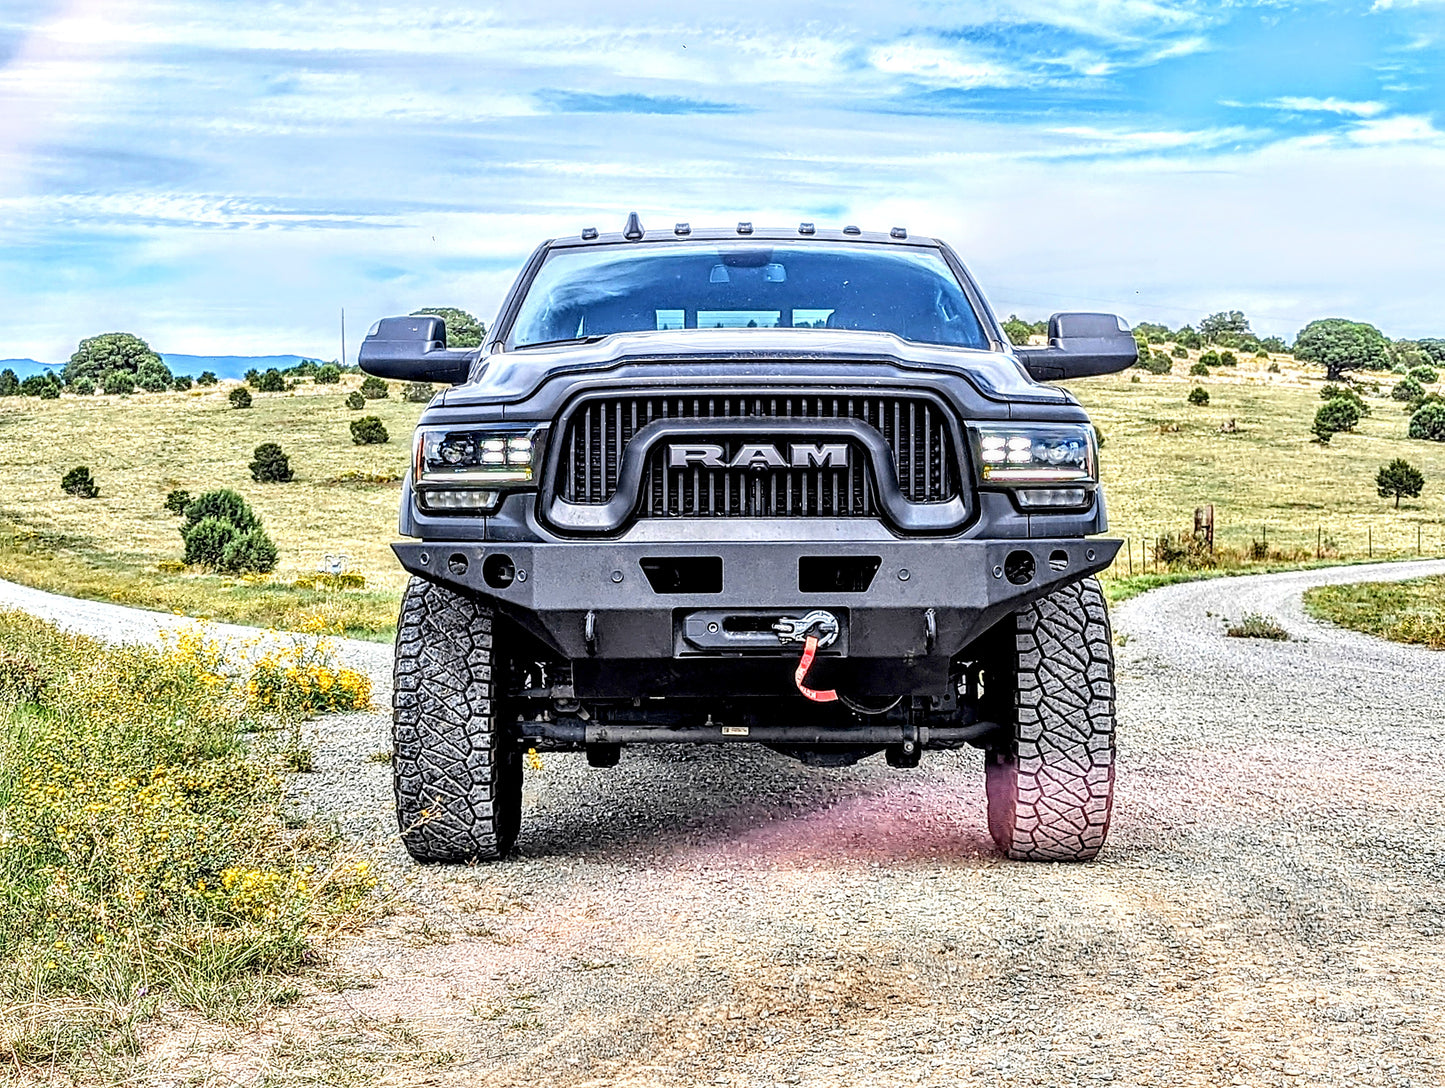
[(694, 619)]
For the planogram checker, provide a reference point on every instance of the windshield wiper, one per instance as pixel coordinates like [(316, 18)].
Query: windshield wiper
[(565, 340)]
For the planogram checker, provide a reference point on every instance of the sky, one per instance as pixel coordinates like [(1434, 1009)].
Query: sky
[(224, 178)]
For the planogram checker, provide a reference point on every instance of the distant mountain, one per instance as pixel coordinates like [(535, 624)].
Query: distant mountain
[(227, 366), (25, 367)]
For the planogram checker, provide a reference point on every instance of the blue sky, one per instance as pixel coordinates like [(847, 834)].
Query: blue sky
[(223, 177)]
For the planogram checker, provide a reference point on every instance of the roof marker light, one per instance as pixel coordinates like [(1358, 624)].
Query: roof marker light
[(745, 228), (682, 229), (589, 233), (633, 231), (806, 228), (898, 232), (850, 229)]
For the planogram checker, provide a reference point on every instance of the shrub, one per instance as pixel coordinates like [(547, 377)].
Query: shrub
[(303, 680), (368, 430), (1407, 389), (9, 383), (1256, 625), (1226, 358), (1429, 422), (153, 376), (1210, 358), (1424, 374), (1261, 354), (1198, 396), (1180, 352), (1329, 391), (249, 553), (84, 388), (207, 378), (1187, 550), (1199, 370), (206, 541), (269, 382), (240, 397), (1274, 368), (417, 392), (177, 501), (181, 383), (355, 401), (225, 504), (328, 374), (270, 466), (251, 376), (49, 391), (1335, 416), (78, 482), (374, 389), (21, 680), (1399, 479)]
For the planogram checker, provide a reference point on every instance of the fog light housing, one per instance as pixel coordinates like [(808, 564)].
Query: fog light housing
[(1053, 498)]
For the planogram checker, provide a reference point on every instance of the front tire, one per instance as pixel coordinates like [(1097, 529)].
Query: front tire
[(458, 777), (1050, 782)]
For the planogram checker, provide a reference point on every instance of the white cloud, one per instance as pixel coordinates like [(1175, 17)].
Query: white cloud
[(1393, 130), (1300, 104), (944, 67)]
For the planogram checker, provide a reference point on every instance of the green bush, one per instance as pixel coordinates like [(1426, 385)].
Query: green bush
[(84, 388), (1424, 374), (1159, 363), (269, 382), (249, 553), (374, 389), (1429, 422), (240, 397), (1210, 358), (1256, 625), (35, 385), (1335, 416), (1180, 352), (417, 392), (328, 374), (368, 430), (1274, 368), (181, 383), (1329, 391), (177, 501), (270, 465), (1407, 389), (1399, 479), (49, 391), (355, 401), (1198, 396), (9, 383), (222, 503), (153, 376), (206, 541), (207, 378), (78, 482), (1226, 358), (1199, 370)]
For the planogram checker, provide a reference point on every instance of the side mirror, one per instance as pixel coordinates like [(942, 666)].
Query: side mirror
[(414, 349), (1080, 346)]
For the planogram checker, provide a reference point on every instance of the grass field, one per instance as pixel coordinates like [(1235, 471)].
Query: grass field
[(1412, 611), (1163, 457)]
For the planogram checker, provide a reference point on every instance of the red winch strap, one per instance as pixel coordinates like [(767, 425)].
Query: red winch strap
[(810, 650)]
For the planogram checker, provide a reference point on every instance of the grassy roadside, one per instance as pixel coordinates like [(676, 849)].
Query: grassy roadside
[(147, 856), (1122, 589), (1411, 611)]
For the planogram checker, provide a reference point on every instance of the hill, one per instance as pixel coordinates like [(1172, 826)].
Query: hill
[(222, 366)]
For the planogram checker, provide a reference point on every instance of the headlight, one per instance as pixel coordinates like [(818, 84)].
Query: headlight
[(1035, 454), (465, 470)]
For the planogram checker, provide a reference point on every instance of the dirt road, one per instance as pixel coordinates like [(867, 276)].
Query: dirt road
[(1269, 909)]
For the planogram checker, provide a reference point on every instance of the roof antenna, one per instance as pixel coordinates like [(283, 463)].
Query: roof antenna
[(633, 231)]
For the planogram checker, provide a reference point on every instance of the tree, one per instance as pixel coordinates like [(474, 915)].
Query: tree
[(1198, 396), (182, 382), (9, 383), (1400, 479), (1018, 331), (222, 533), (270, 465), (177, 501), (1429, 422), (1153, 332), (368, 430), (78, 482), (1424, 374), (98, 357), (1340, 345), (240, 397), (1199, 370), (1329, 392), (1226, 322), (355, 401), (1188, 337), (328, 374), (463, 330), (153, 376), (269, 382), (374, 389), (1335, 416), (418, 392), (208, 377)]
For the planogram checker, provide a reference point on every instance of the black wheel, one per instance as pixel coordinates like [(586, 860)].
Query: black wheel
[(458, 778), (1051, 783)]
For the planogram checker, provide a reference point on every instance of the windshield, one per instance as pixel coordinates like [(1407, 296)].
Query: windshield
[(908, 291)]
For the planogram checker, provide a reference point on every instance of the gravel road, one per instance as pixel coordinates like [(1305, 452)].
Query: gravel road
[(1268, 911)]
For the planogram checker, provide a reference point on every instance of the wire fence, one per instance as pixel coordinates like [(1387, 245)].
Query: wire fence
[(1176, 547)]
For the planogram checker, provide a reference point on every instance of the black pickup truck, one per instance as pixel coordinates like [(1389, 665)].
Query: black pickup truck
[(789, 487)]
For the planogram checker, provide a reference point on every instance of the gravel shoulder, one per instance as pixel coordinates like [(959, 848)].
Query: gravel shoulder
[(1268, 910)]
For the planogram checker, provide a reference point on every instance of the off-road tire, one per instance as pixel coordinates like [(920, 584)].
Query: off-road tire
[(458, 778), (1051, 783)]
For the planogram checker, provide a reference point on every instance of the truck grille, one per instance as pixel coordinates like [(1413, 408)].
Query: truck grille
[(916, 428)]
